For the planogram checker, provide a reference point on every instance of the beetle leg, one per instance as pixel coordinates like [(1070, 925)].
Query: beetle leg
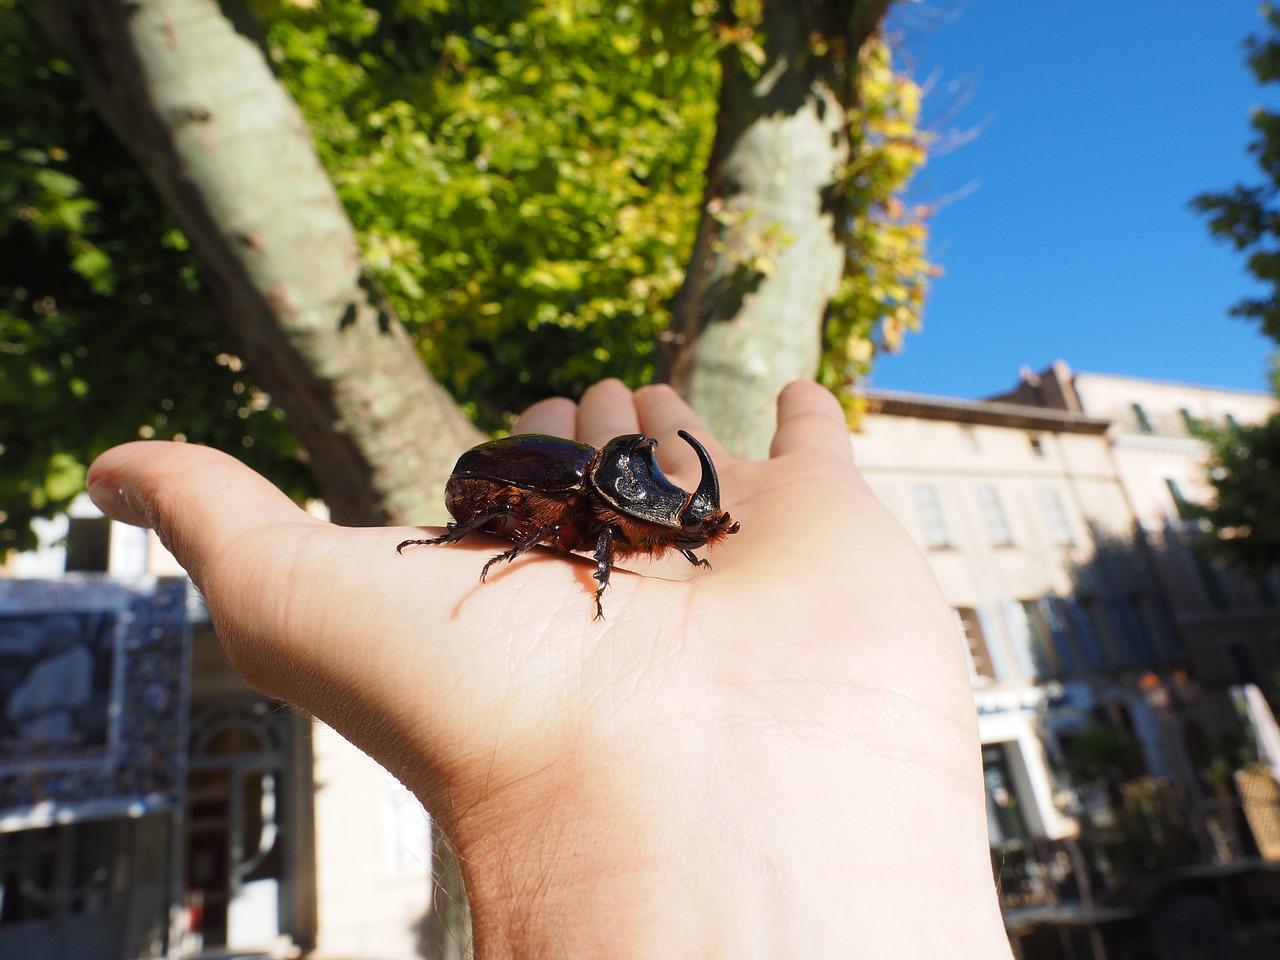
[(604, 563), (535, 538), (696, 561), (459, 530)]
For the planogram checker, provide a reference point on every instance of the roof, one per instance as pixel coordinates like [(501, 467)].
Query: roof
[(987, 412)]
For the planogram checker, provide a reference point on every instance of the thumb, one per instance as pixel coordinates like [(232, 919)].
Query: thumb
[(289, 595), (230, 529), (293, 599), (197, 499)]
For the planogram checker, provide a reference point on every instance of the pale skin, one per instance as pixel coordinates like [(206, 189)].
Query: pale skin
[(775, 758)]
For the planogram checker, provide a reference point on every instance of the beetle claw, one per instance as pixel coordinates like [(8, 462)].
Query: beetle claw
[(425, 543), (535, 538), (695, 559)]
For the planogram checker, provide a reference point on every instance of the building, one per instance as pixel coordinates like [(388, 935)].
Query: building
[(260, 832), (1031, 536), (1112, 663), (92, 761), (1227, 623)]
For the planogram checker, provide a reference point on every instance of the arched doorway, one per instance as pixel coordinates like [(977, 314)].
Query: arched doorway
[(237, 838)]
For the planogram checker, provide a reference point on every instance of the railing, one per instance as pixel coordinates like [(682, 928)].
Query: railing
[(1040, 872), (1152, 879)]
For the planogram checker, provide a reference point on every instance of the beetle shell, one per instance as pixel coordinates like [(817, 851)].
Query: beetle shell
[(534, 489)]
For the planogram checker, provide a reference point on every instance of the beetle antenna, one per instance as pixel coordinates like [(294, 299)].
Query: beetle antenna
[(707, 496)]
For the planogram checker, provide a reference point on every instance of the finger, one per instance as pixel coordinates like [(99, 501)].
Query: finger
[(663, 412), (289, 595), (607, 410), (810, 420), (556, 416), (327, 618), (231, 530), (194, 497)]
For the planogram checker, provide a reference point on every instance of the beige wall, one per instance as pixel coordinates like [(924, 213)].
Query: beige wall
[(1112, 397), (957, 457), (1227, 623), (897, 453), (373, 856)]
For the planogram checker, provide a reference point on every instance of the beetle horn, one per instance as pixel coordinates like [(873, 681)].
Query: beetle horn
[(706, 499)]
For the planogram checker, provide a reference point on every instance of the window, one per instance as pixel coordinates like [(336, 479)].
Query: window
[(1055, 517), (1190, 421), (1004, 812), (88, 544), (1181, 505), (1100, 649), (933, 522), (1211, 579), (993, 515), (1037, 445), (1141, 420), (53, 875), (1142, 622), (1054, 616), (1039, 643), (1086, 624), (975, 643), (1029, 638)]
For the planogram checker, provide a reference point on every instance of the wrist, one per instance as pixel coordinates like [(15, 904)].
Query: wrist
[(759, 869)]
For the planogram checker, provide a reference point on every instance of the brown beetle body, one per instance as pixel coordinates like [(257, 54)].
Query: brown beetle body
[(533, 489)]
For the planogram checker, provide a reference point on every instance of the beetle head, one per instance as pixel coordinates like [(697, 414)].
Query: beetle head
[(702, 519), (627, 477)]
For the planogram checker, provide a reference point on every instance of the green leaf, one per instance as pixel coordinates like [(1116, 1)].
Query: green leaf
[(64, 478)]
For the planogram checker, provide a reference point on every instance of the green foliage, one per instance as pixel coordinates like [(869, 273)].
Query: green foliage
[(1244, 520), (1234, 748), (1098, 755), (1151, 831), (104, 333), (887, 274), (524, 177), (1249, 216)]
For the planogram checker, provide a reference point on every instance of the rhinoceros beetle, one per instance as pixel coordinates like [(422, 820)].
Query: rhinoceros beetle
[(534, 489)]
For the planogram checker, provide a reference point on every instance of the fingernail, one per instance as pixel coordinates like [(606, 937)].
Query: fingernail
[(116, 502)]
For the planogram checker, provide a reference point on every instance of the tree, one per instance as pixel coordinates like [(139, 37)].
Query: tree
[(229, 153), (1244, 518), (306, 324), (802, 157), (531, 180), (105, 331), (524, 180)]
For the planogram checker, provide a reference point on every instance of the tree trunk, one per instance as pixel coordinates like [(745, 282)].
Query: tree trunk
[(769, 252), (229, 152), (232, 158)]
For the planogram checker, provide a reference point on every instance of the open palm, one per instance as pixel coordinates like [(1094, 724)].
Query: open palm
[(794, 708)]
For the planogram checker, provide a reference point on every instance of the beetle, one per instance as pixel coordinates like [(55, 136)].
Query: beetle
[(535, 489)]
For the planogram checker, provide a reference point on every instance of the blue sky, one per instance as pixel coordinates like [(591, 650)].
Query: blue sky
[(1063, 222)]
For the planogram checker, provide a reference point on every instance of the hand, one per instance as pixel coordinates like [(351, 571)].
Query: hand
[(774, 758)]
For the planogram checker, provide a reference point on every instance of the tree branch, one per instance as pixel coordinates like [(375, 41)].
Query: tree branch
[(231, 156)]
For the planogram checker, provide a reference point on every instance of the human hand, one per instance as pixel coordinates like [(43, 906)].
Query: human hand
[(775, 758)]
